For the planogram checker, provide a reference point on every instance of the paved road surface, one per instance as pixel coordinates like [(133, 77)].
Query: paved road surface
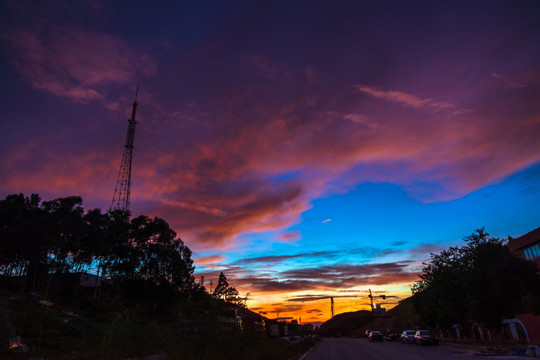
[(361, 349)]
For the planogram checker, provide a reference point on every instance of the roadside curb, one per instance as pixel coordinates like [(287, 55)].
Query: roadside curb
[(303, 356)]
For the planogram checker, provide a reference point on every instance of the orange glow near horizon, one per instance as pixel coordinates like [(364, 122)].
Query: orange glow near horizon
[(280, 306)]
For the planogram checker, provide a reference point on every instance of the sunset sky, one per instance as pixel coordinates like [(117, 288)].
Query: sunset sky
[(307, 149)]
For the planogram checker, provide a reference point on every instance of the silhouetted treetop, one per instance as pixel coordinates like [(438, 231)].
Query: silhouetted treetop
[(480, 281), (41, 239)]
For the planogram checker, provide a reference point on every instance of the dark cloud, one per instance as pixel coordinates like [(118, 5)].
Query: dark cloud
[(275, 259), (346, 276), (266, 284), (335, 271), (281, 308), (272, 259), (331, 278), (398, 243)]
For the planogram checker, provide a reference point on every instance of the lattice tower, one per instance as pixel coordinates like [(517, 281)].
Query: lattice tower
[(122, 190)]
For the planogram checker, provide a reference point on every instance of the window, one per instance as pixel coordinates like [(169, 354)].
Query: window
[(532, 252), (507, 332), (522, 334)]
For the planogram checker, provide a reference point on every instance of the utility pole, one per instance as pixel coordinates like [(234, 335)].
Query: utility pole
[(122, 189), (332, 305)]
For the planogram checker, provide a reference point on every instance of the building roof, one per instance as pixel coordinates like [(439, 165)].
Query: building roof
[(529, 238)]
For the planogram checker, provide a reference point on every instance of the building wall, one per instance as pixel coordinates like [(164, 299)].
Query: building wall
[(527, 246), (532, 324)]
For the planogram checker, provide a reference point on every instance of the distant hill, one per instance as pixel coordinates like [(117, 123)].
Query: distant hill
[(356, 323)]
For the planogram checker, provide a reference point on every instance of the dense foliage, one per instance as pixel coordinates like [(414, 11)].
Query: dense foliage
[(481, 281), (45, 244)]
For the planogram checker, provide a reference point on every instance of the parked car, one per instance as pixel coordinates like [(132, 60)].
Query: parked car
[(407, 336), (424, 337), (375, 336)]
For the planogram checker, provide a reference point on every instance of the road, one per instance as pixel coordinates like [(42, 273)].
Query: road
[(361, 349)]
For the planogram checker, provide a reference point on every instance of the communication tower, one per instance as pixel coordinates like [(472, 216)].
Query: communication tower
[(122, 189)]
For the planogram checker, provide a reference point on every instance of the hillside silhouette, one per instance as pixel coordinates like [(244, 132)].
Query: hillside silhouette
[(357, 322)]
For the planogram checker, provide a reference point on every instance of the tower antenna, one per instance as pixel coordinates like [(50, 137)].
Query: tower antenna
[(122, 189)]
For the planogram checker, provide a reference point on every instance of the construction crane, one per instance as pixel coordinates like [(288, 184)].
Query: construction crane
[(371, 296), (322, 297), (122, 190), (331, 297), (373, 307)]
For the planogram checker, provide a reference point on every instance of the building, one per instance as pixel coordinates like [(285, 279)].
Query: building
[(224, 322), (527, 325), (231, 319), (527, 246)]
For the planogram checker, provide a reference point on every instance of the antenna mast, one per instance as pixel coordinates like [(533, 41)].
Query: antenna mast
[(122, 190)]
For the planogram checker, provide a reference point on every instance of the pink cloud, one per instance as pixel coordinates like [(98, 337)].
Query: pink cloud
[(290, 236), (509, 83), (404, 98), (77, 64), (63, 176)]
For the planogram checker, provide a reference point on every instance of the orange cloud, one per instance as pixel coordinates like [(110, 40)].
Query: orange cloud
[(209, 261)]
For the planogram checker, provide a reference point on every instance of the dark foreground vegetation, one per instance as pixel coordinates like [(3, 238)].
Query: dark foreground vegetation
[(78, 284), (480, 282), (97, 333)]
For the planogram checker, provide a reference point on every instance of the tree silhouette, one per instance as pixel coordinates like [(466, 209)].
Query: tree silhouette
[(41, 242), (481, 281), (221, 287), (22, 243), (226, 292)]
